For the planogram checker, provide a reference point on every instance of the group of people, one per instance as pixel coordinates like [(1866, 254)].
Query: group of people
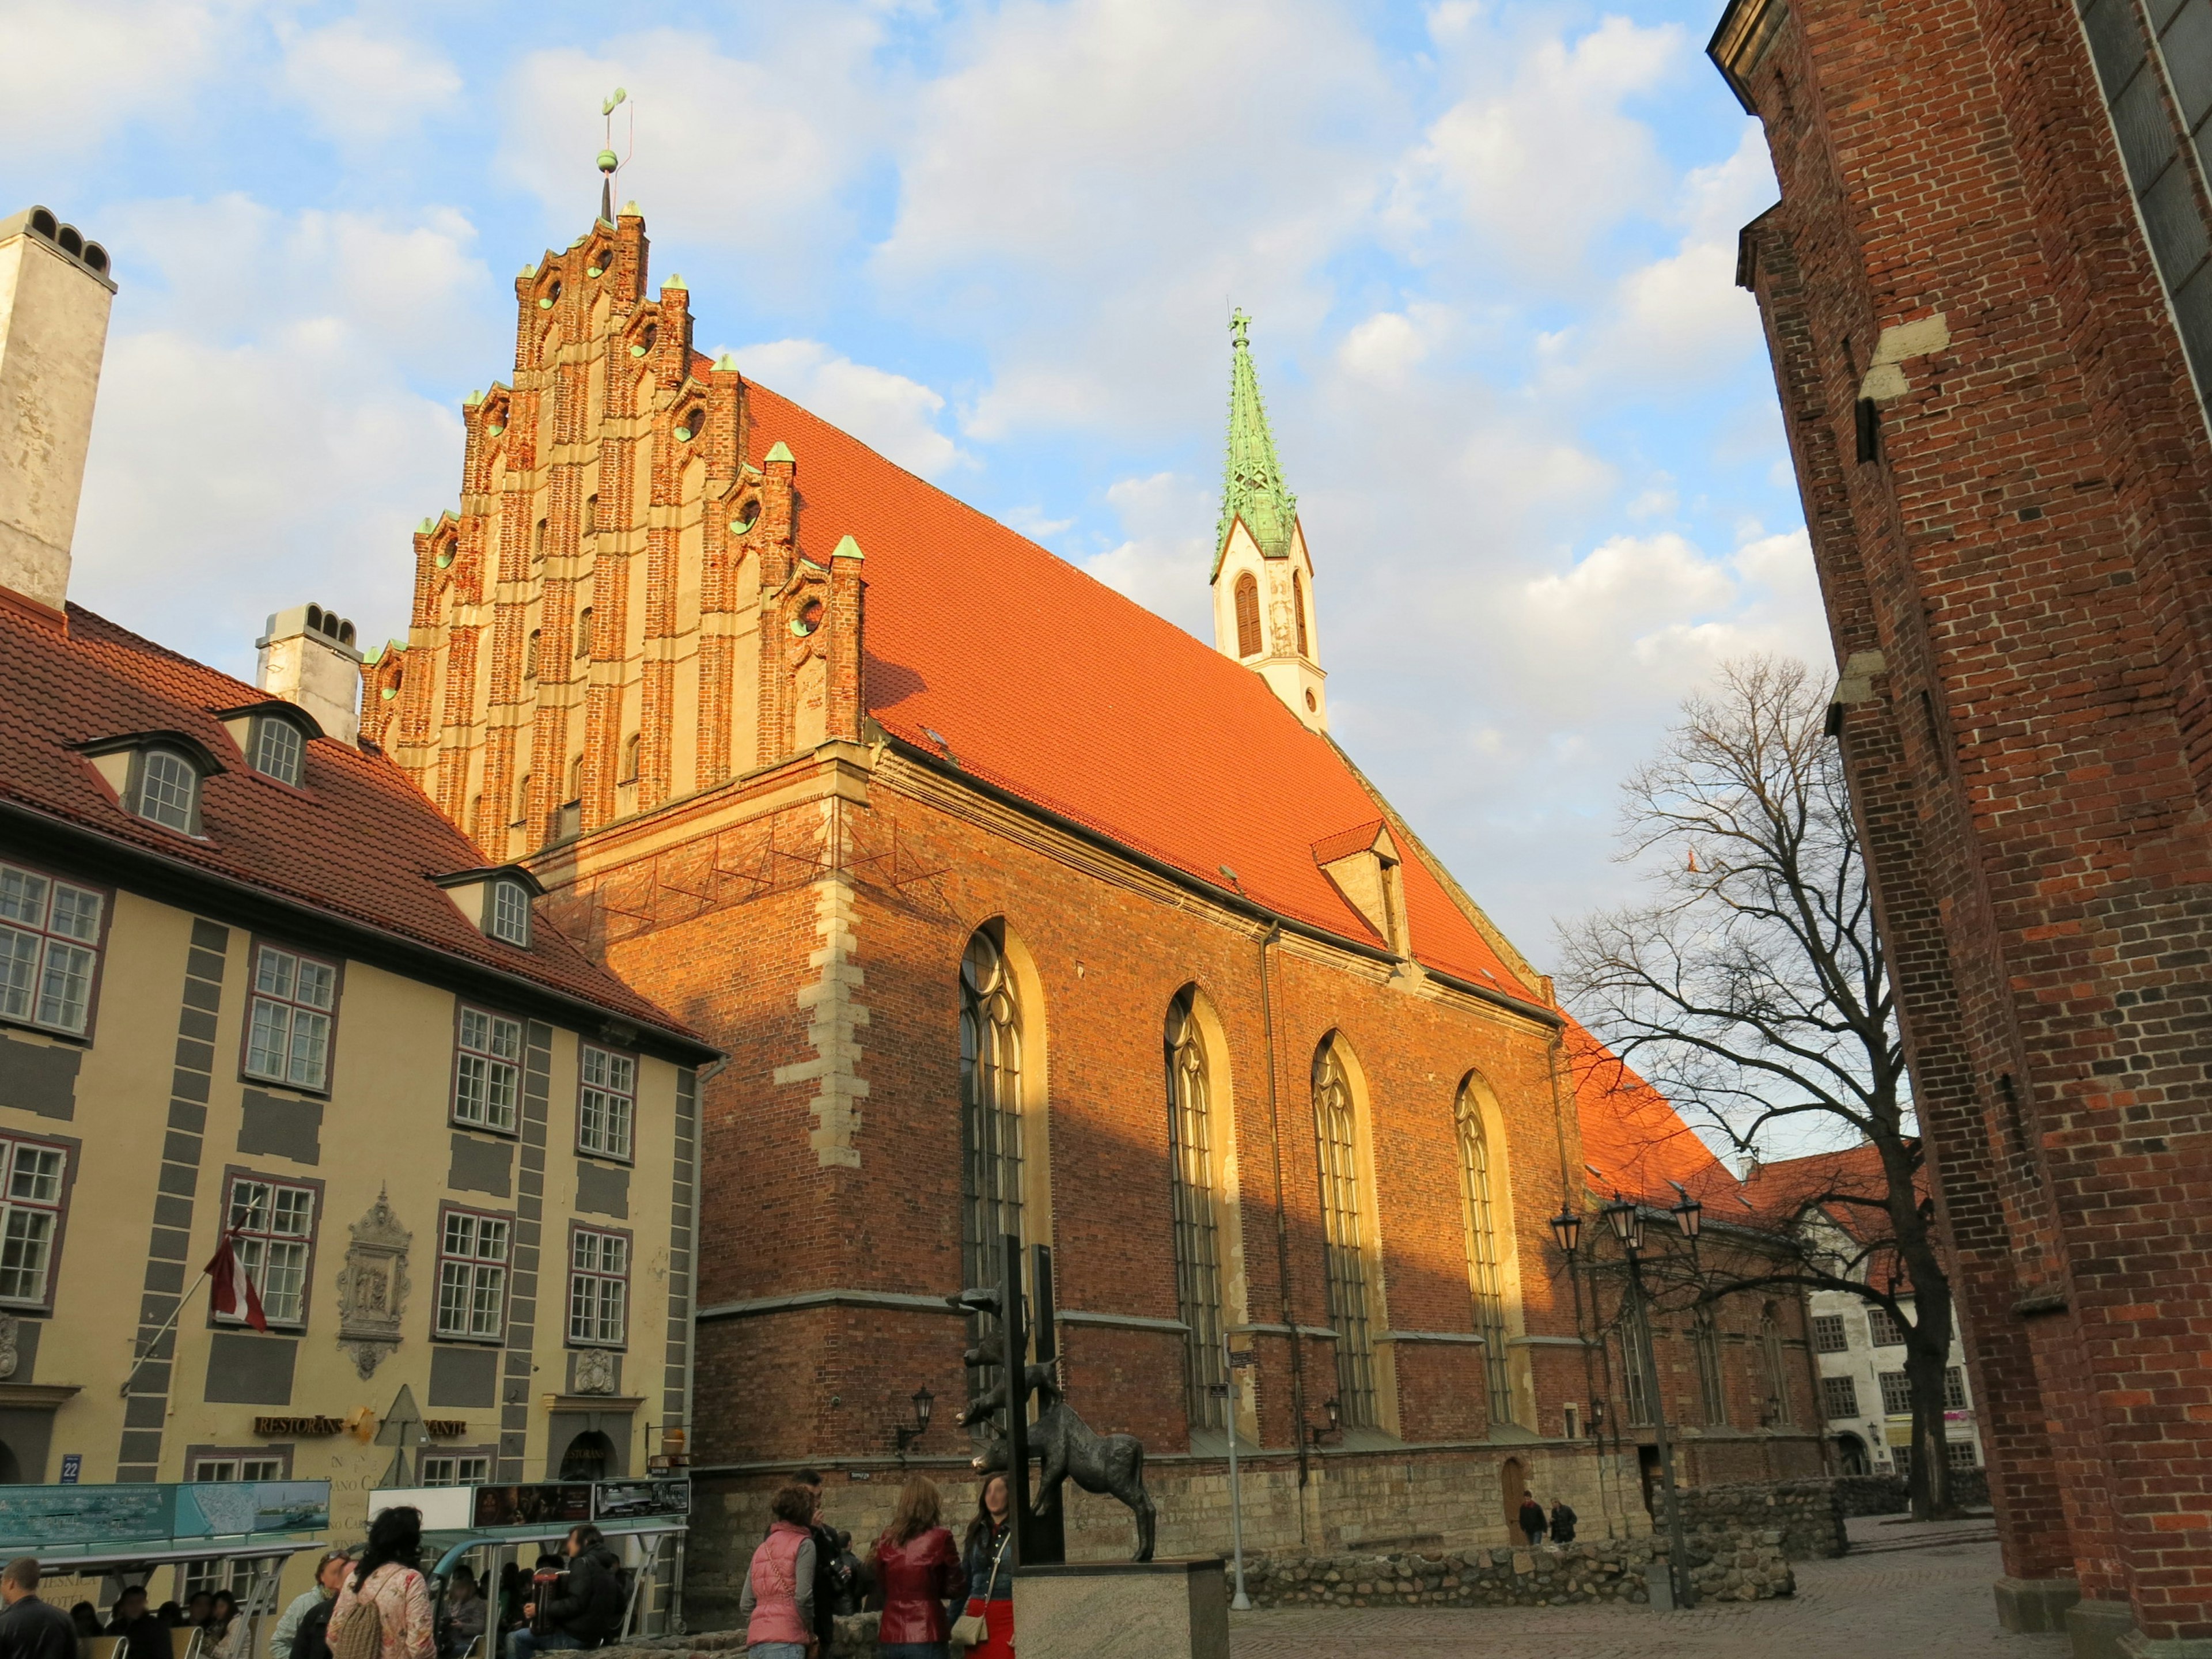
[(1534, 1523), (374, 1603), (930, 1590)]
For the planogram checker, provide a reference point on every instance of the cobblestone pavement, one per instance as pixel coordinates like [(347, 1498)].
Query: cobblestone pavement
[(1935, 1601)]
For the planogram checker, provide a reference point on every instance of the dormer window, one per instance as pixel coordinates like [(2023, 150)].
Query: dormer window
[(510, 914), (278, 752), (168, 791)]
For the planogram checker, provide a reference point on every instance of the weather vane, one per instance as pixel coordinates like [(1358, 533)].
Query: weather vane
[(610, 163)]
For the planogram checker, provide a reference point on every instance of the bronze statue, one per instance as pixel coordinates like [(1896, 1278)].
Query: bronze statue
[(1066, 1446)]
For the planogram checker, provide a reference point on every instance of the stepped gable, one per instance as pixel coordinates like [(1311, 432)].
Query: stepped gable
[(359, 842), (1047, 683), (1635, 1142)]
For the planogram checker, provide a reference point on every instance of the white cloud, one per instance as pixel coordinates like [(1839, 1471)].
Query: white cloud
[(359, 86), (754, 150), (1167, 551), (83, 68), (890, 413), (1383, 349)]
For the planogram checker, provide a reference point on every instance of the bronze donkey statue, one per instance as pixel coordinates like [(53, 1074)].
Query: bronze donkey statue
[(1066, 1447)]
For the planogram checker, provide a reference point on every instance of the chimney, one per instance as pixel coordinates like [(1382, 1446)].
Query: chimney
[(308, 657), (55, 289)]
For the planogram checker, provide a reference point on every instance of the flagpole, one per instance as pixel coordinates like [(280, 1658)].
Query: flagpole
[(125, 1391)]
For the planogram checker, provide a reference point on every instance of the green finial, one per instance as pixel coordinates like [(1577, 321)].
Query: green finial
[(848, 549), (1252, 488), (424, 529), (781, 452)]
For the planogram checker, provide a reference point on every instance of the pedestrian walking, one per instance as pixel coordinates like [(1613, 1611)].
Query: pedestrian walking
[(30, 1628), (1563, 1521), (1532, 1518), (778, 1601), (987, 1626), (384, 1610), (917, 1571)]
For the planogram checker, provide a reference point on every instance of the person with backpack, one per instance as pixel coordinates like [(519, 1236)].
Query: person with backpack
[(581, 1607), (384, 1610)]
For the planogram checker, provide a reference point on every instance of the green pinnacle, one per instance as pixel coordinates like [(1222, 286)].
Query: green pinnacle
[(1253, 488)]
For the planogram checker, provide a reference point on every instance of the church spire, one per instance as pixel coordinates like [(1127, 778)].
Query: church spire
[(1252, 488), (1263, 612)]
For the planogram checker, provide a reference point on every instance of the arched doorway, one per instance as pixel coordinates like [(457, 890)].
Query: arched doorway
[(11, 1471), (1512, 1481), (590, 1456), (1851, 1454)]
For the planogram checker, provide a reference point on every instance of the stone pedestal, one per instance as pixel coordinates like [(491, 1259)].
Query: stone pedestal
[(2097, 1628), (2034, 1607), (1130, 1609)]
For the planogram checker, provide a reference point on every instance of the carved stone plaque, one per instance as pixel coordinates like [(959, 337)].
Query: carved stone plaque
[(373, 1286), (595, 1371)]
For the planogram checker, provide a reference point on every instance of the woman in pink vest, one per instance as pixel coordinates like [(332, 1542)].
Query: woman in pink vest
[(778, 1603)]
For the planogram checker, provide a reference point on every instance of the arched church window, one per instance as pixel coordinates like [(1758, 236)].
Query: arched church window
[(990, 1112), (538, 543), (1197, 1231), (629, 759), (522, 799), (1485, 1265), (591, 514), (1298, 609), (1344, 1245), (529, 656), (576, 779), (1248, 615), (584, 632), (1777, 1375)]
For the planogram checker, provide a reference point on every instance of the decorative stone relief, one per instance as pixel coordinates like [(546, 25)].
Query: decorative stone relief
[(595, 1371), (373, 1286), (8, 1357)]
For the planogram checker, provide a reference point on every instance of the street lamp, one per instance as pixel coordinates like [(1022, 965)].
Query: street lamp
[(924, 1402), (1567, 1228), (1626, 1221), (1689, 1215), (1626, 1218)]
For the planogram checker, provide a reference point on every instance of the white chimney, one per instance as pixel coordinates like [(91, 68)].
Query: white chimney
[(308, 657), (55, 290)]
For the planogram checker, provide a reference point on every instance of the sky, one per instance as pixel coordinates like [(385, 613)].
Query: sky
[(1488, 248)]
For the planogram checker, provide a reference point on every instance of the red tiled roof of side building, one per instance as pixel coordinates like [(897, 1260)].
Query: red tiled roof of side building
[(1046, 683), (1781, 1191), (358, 842), (1636, 1143)]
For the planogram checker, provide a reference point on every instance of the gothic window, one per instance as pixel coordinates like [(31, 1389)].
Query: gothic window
[(538, 543), (1298, 607), (522, 799), (1712, 1387), (990, 1111), (629, 759), (1777, 1375), (1197, 1235), (591, 514), (1484, 1266), (576, 779), (529, 656), (1344, 1244), (584, 632), (1248, 615)]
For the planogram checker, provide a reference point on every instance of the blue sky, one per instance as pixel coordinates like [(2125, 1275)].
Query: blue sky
[(1487, 247)]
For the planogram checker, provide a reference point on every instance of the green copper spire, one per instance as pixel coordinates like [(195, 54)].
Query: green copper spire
[(1253, 488)]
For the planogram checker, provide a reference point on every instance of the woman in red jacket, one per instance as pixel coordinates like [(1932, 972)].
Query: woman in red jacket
[(917, 1571)]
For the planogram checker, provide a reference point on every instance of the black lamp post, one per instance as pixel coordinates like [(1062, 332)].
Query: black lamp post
[(1567, 1228), (924, 1403)]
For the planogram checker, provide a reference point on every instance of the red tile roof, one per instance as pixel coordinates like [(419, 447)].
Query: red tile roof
[(1783, 1191), (1047, 684), (359, 842), (1635, 1143)]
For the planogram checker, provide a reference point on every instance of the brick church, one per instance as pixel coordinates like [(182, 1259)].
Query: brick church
[(1017, 909), (1989, 303)]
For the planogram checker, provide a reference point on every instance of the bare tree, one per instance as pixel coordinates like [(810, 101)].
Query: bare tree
[(1752, 990)]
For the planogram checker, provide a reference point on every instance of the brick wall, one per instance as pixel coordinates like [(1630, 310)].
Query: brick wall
[(2015, 584)]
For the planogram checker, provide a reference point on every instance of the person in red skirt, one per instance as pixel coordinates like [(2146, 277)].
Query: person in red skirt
[(990, 1572)]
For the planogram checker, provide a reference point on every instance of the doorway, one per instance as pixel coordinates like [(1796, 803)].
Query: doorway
[(1512, 1481), (590, 1456)]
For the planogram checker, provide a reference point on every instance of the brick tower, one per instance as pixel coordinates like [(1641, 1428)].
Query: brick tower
[(1017, 909), (1985, 296)]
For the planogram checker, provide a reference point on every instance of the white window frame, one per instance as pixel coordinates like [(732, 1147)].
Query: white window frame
[(473, 1262), (487, 1073), (599, 1288), (170, 805), (606, 1102), (287, 766), (238, 1468), (50, 935), (274, 1220), (455, 1470), (508, 913), (34, 1205), (301, 1025)]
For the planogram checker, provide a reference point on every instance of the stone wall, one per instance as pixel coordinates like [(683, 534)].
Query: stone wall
[(1738, 1566), (1806, 1515)]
